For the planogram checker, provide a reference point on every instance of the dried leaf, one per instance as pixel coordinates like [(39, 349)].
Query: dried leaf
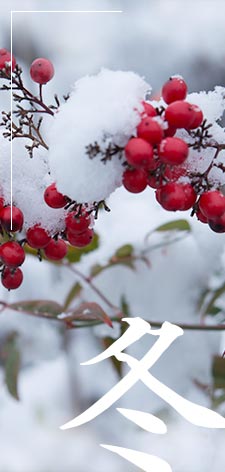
[(89, 312), (47, 308)]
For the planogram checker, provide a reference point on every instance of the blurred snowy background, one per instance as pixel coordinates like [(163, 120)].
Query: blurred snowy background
[(155, 39)]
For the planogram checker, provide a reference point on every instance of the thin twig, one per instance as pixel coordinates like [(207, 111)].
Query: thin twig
[(92, 285), (116, 319)]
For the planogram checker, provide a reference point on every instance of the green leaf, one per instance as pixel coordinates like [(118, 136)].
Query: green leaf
[(74, 254), (202, 298), (47, 308), (124, 306), (107, 341), (30, 250), (97, 269), (216, 294), (213, 310), (218, 401), (73, 293), (127, 263), (90, 311), (12, 365), (218, 372), (124, 251), (178, 225)]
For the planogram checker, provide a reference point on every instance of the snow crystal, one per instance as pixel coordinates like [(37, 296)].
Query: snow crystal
[(105, 109)]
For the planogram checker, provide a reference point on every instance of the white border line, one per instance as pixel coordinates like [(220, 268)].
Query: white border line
[(11, 124), (11, 98), (66, 11)]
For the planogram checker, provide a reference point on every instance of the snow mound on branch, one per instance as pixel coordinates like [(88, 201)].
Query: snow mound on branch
[(212, 103), (29, 180), (105, 109)]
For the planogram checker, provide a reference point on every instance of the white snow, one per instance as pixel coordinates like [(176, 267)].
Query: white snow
[(212, 103), (29, 180), (102, 106)]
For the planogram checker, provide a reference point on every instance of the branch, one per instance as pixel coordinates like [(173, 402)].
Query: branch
[(116, 319)]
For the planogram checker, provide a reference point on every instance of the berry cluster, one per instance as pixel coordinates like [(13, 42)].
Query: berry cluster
[(157, 155), (12, 254), (78, 220), (157, 158), (41, 70)]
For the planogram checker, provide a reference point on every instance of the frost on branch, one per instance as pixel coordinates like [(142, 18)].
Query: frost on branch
[(102, 109)]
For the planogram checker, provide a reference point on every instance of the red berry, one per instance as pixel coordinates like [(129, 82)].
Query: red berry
[(180, 114), (11, 278), (174, 89), (139, 153), (218, 224), (154, 164), (150, 130), (171, 196), (201, 217), (41, 70), (5, 58), (53, 198), (1, 203), (82, 239), (153, 181), (77, 224), (17, 218), (135, 180), (212, 204), (198, 117), (37, 237), (173, 151), (173, 173), (12, 254), (149, 110), (170, 131), (190, 196), (56, 249)]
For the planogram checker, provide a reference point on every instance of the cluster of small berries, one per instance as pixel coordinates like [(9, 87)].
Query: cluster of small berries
[(156, 157), (41, 69), (12, 254), (77, 222)]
